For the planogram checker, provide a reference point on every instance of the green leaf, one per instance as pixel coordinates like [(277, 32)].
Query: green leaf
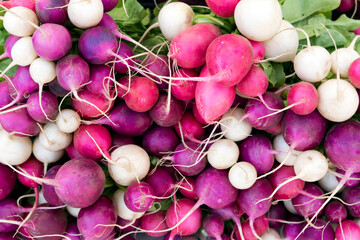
[(277, 76), (313, 26), (296, 10), (133, 14), (325, 40), (344, 23)]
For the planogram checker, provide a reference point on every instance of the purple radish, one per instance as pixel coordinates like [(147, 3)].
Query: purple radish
[(167, 114), (72, 152), (308, 205), (351, 196), (214, 226), (109, 4), (101, 80), (160, 66), (277, 212), (9, 43), (335, 212), (154, 221), (93, 39), (162, 182), (91, 220), (9, 210), (159, 141), (49, 35), (49, 107), (118, 140), (5, 98), (350, 182), (258, 151), (51, 11), (126, 121), (8, 182), (139, 197), (48, 190), (57, 89), (123, 51), (10, 123), (321, 231), (72, 231)]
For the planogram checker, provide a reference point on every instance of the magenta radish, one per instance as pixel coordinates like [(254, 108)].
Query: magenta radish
[(130, 163), (126, 226), (158, 64), (109, 4), (126, 121), (14, 3), (308, 206), (264, 159), (354, 178), (92, 141), (85, 14), (118, 140), (199, 37), (91, 220), (320, 230), (160, 141), (14, 150), (283, 46), (50, 11), (53, 139), (338, 100), (258, 25), (234, 126), (212, 98), (183, 89), (259, 50), (139, 197), (223, 9), (122, 63), (14, 21), (162, 182), (178, 211), (345, 5), (174, 18), (188, 159), (5, 98), (223, 154), (335, 212), (101, 80), (354, 73), (28, 126), (257, 112), (214, 226), (188, 128), (9, 181), (72, 152), (155, 221), (291, 189), (187, 188), (9, 43), (45, 111), (242, 175), (350, 196), (9, 210), (32, 167), (72, 231), (90, 43), (48, 190), (49, 35), (254, 84), (167, 114), (347, 230), (56, 89), (303, 97), (122, 210), (277, 211)]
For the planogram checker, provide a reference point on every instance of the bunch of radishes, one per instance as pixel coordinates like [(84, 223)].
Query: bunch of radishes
[(116, 144)]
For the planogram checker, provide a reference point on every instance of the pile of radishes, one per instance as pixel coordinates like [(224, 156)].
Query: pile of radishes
[(104, 137)]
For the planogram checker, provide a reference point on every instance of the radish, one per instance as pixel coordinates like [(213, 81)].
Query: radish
[(223, 154), (122, 210), (167, 114), (338, 100), (311, 166), (50, 11), (258, 20), (282, 147), (45, 156), (85, 14), (14, 3), (234, 126), (308, 206), (354, 74), (354, 178), (101, 80), (188, 128), (282, 47), (174, 18), (53, 139), (335, 212), (130, 163), (347, 230), (28, 126), (350, 196), (182, 89), (68, 121), (49, 35), (159, 141), (214, 226), (259, 50), (20, 21), (223, 9), (303, 97), (44, 110), (9, 181), (254, 84), (341, 59), (9, 43), (187, 188), (320, 230), (329, 182), (162, 182), (154, 221), (139, 197), (14, 150), (49, 191), (242, 175), (109, 4)]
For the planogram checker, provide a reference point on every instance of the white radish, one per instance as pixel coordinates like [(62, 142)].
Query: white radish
[(68, 121), (42, 71), (283, 46), (280, 145), (131, 163), (258, 20), (174, 18), (44, 155), (85, 13), (338, 100), (223, 154), (329, 182), (14, 150), (342, 58), (290, 207), (122, 210), (42, 199), (233, 128), (73, 211), (311, 166), (53, 139), (270, 234), (17, 21), (242, 175), (312, 64)]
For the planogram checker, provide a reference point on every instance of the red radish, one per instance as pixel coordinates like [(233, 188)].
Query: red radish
[(187, 188), (254, 84), (224, 8), (183, 89), (303, 98), (354, 73), (347, 230), (259, 50), (154, 221), (162, 181)]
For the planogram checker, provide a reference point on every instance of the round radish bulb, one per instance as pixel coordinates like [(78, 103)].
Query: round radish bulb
[(259, 50), (283, 46), (174, 18), (131, 163), (122, 210), (109, 4), (14, 150), (42, 71), (290, 207), (53, 139), (335, 212), (139, 197), (15, 24), (350, 196), (341, 60), (68, 121), (49, 191), (188, 158), (345, 5), (214, 225), (223, 154), (304, 97), (52, 11), (85, 14), (338, 100), (306, 205), (329, 182), (280, 145), (242, 175), (8, 182), (162, 182), (23, 52), (354, 73), (73, 211), (224, 8), (44, 155), (258, 20), (311, 166), (164, 117), (154, 221), (347, 230), (42, 107), (312, 64), (233, 128), (270, 234)]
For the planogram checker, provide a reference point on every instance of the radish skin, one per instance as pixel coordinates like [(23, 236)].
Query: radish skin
[(242, 175), (223, 154), (122, 210), (14, 150), (14, 21), (85, 14)]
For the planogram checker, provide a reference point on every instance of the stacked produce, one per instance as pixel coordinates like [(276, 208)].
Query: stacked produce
[(234, 119)]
